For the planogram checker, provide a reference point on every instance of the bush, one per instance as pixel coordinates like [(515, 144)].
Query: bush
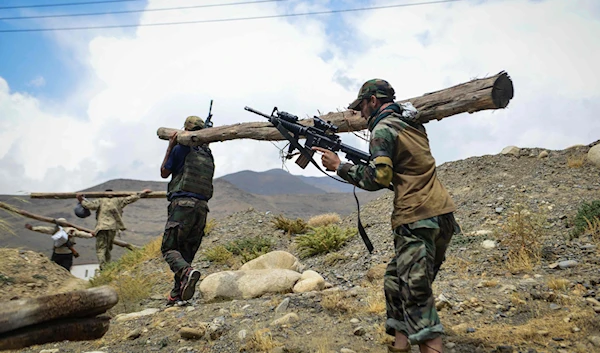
[(576, 161), (524, 230), (209, 226), (249, 248), (218, 254), (297, 226), (587, 218), (323, 239), (324, 220)]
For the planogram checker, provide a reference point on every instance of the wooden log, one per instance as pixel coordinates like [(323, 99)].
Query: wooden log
[(480, 94), (13, 209), (95, 194), (15, 314), (78, 329)]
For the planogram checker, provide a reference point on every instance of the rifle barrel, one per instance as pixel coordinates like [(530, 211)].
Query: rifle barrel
[(257, 112)]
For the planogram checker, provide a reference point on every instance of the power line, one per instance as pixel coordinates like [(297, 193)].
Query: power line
[(64, 4), (227, 19), (137, 11)]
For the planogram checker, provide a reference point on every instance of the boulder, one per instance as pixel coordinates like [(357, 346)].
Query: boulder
[(247, 284), (593, 155), (274, 259), (309, 281), (514, 150)]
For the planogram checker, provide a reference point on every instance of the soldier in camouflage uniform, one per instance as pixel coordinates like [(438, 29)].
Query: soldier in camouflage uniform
[(192, 170), (422, 220), (109, 221)]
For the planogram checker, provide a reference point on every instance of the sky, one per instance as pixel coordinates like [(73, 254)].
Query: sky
[(80, 107)]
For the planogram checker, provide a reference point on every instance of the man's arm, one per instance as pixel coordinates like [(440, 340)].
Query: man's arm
[(165, 170), (133, 198), (378, 173), (41, 229), (90, 205)]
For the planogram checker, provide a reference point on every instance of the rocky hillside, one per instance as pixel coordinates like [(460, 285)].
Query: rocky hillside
[(486, 302)]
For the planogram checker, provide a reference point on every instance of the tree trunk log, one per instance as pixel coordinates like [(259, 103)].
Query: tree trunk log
[(15, 314), (85, 329), (480, 94), (95, 194), (62, 223)]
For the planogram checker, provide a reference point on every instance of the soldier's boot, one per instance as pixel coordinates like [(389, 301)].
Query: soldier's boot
[(188, 283)]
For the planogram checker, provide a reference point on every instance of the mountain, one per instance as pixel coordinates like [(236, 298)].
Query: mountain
[(271, 182)]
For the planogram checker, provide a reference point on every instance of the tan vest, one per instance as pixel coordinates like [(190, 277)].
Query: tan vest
[(418, 193)]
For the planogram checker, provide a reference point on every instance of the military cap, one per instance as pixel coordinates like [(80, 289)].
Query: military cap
[(375, 87), (193, 123)]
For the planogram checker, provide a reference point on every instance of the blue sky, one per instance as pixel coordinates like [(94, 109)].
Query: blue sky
[(80, 107)]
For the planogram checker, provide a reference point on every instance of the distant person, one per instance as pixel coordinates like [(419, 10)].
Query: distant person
[(63, 249), (422, 220), (109, 221), (191, 186)]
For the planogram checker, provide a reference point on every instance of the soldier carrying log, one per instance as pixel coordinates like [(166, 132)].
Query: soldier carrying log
[(63, 249)]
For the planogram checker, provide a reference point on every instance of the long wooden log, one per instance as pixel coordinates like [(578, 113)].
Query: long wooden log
[(95, 194), (27, 214), (85, 329), (15, 314), (480, 94)]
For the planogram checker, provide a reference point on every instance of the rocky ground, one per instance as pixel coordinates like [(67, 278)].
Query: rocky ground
[(485, 304)]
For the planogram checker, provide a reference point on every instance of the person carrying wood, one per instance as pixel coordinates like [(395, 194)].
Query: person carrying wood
[(63, 249), (422, 220), (191, 186), (109, 221)]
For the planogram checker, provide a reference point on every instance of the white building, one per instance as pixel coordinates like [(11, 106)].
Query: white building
[(84, 271)]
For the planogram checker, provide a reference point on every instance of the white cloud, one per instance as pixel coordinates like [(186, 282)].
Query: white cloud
[(159, 75), (39, 81)]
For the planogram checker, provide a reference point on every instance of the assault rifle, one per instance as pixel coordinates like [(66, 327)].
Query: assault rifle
[(322, 134), (208, 122)]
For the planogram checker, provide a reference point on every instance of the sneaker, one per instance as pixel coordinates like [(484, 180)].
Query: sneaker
[(173, 301), (188, 283)]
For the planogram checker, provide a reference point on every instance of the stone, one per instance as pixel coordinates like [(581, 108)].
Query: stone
[(512, 150), (136, 315), (273, 260), (359, 331), (595, 340), (593, 156), (282, 307), (54, 350), (488, 244), (354, 321), (346, 350), (284, 320), (242, 334), (543, 154), (309, 281), (247, 284), (567, 264), (134, 334), (499, 209), (192, 333), (592, 301)]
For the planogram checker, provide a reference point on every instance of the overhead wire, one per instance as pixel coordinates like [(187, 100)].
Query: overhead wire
[(137, 11), (65, 4), (228, 19)]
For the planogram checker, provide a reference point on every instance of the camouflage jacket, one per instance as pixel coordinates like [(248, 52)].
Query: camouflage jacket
[(400, 155), (109, 214)]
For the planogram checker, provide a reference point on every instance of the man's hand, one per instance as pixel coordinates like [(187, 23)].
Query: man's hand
[(75, 253), (28, 226), (329, 159), (93, 234), (146, 191), (79, 197)]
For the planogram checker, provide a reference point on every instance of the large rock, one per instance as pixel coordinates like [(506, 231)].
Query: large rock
[(274, 259), (514, 150), (309, 281), (593, 155), (247, 284)]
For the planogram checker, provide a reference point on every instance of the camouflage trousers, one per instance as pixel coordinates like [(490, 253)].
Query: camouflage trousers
[(104, 245), (183, 235), (420, 250)]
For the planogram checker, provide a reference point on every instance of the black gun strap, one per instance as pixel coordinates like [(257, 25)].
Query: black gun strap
[(361, 230)]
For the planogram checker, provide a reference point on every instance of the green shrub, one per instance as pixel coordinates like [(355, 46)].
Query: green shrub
[(290, 226), (249, 248), (324, 239), (587, 214), (218, 254)]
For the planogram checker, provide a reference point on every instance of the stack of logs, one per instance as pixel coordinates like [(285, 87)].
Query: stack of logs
[(72, 316)]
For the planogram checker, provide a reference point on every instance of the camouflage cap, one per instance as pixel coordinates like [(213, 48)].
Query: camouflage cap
[(375, 87), (193, 123)]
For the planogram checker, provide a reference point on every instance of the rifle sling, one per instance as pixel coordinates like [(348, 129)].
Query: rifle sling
[(361, 230)]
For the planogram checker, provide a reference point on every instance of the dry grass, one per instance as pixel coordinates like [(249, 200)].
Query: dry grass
[(381, 336), (209, 226), (338, 302), (324, 220), (538, 330), (457, 265), (558, 284), (524, 230), (576, 161), (593, 228), (261, 341), (217, 254), (490, 284), (132, 288), (334, 258), (375, 300), (297, 226)]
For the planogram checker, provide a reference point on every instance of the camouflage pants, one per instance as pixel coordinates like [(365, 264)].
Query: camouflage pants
[(420, 249), (183, 235), (104, 245)]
